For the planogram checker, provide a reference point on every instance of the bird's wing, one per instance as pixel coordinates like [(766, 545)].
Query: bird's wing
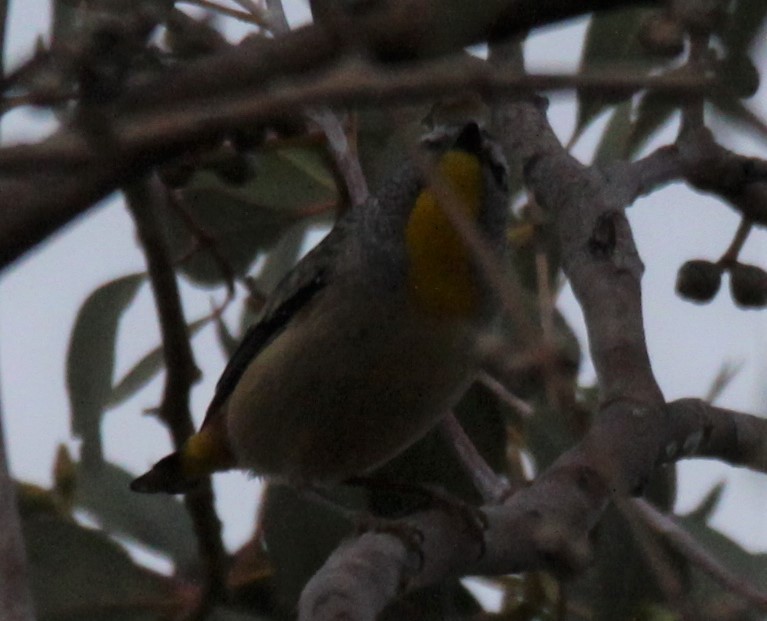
[(295, 290)]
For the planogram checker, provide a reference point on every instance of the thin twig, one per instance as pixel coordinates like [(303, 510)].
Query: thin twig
[(658, 559), (145, 198), (251, 7), (357, 83), (693, 110), (205, 241), (545, 309), (46, 203), (490, 485), (727, 372), (346, 161), (730, 255), (688, 546), (243, 16), (520, 406)]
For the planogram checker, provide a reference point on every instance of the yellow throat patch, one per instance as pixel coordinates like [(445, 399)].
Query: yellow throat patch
[(441, 277)]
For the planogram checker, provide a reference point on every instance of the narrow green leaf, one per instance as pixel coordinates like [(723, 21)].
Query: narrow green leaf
[(226, 339), (243, 220), (145, 369), (611, 42), (311, 164), (291, 179), (300, 535), (79, 573), (157, 521), (91, 354), (737, 112), (279, 262), (380, 146), (744, 23), (653, 112), (728, 552), (64, 20), (615, 137), (739, 76), (703, 512), (283, 257)]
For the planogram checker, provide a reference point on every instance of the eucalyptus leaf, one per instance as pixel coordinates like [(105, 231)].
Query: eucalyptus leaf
[(653, 112), (735, 111), (241, 221), (299, 534), (157, 521), (611, 43), (79, 573), (706, 508), (615, 137), (746, 20), (226, 339), (383, 145), (145, 369), (91, 356), (751, 566), (64, 20)]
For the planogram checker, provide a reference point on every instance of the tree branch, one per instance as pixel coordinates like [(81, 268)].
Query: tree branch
[(548, 524), (739, 439), (544, 526), (387, 31), (145, 201), (706, 165), (202, 101), (598, 252), (687, 545)]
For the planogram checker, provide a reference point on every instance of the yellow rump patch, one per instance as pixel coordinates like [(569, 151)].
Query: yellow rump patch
[(204, 453)]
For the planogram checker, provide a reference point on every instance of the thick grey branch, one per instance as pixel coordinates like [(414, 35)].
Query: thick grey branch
[(706, 165), (740, 180), (546, 525), (739, 439), (598, 251)]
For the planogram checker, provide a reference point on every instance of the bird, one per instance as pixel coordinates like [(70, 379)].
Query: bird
[(369, 340)]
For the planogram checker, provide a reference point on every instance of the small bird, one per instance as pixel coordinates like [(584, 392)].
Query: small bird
[(368, 341)]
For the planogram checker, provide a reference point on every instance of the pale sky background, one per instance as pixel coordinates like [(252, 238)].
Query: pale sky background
[(41, 294)]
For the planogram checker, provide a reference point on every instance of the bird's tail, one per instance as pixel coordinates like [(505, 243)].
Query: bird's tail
[(180, 472)]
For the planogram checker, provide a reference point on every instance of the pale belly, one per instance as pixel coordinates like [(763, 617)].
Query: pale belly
[(319, 409)]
